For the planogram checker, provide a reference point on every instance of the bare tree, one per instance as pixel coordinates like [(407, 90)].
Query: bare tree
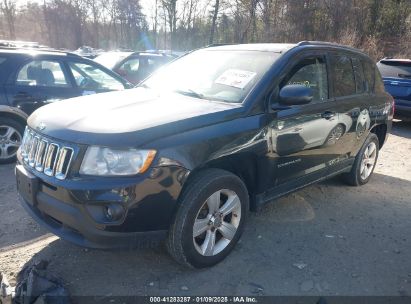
[(170, 7), (214, 20), (8, 8), (376, 26)]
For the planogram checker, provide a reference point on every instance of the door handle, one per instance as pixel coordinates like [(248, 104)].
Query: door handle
[(328, 114)]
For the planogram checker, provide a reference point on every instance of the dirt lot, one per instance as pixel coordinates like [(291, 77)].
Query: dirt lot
[(346, 240)]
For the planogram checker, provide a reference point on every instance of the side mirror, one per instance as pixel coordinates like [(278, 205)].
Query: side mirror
[(121, 72), (295, 94)]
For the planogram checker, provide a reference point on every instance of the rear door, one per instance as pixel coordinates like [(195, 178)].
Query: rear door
[(353, 102), (37, 82)]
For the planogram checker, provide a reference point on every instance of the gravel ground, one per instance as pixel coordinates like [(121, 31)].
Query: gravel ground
[(327, 239)]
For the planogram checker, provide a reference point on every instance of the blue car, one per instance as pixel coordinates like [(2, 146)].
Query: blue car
[(396, 74)]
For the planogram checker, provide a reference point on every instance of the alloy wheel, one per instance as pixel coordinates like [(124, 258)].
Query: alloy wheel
[(10, 141), (217, 222), (368, 160)]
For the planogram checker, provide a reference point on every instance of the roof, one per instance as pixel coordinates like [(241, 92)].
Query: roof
[(34, 52)]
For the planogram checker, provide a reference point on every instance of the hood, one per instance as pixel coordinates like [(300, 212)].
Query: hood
[(115, 118)]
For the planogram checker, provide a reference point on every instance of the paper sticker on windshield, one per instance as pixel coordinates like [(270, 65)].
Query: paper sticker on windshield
[(236, 78)]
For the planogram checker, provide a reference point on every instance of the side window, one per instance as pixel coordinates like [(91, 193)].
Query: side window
[(369, 72), (154, 64), (44, 73), (130, 67), (344, 82), (311, 72), (90, 77), (359, 76)]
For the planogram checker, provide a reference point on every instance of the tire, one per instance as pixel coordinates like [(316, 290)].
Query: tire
[(356, 176), (10, 142), (196, 204)]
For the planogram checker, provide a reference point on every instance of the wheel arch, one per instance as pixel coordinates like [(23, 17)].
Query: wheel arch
[(13, 113), (381, 132), (243, 165)]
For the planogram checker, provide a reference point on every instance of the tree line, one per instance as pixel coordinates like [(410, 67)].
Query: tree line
[(379, 27)]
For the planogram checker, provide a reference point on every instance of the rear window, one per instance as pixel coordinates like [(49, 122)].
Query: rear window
[(393, 68)]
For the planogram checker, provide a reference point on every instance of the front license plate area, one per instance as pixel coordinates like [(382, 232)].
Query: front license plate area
[(27, 184)]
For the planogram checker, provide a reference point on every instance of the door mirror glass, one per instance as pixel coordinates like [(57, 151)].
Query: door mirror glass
[(295, 94)]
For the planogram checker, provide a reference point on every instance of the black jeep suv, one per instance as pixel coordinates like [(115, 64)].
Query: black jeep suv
[(31, 78), (210, 136)]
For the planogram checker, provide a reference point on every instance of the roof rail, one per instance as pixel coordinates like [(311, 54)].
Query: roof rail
[(301, 43)]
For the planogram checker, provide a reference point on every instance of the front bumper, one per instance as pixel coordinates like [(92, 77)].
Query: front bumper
[(70, 223), (73, 209)]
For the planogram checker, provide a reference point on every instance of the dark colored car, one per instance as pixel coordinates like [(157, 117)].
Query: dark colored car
[(186, 155), (396, 74), (32, 78), (133, 66)]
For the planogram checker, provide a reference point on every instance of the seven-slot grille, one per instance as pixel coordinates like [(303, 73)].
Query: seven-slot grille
[(46, 156)]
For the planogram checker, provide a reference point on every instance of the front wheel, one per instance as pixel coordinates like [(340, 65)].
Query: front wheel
[(11, 135), (365, 162), (210, 219)]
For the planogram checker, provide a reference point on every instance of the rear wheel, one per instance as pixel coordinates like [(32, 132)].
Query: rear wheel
[(210, 220), (11, 135), (335, 134), (365, 162)]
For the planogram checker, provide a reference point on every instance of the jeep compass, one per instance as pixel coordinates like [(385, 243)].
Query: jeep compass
[(186, 155)]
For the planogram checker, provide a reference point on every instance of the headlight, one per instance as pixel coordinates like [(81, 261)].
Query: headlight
[(111, 162)]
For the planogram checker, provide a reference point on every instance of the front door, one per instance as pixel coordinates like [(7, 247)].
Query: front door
[(303, 137), (90, 79)]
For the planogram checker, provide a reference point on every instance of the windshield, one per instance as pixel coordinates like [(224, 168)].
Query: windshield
[(110, 59), (215, 75)]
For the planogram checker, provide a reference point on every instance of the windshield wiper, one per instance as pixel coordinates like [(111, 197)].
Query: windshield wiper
[(143, 85), (190, 93)]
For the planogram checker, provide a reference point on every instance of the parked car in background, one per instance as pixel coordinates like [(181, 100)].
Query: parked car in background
[(88, 52), (214, 134), (134, 66), (396, 74), (32, 78)]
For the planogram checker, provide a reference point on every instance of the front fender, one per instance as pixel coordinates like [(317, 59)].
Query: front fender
[(13, 111)]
